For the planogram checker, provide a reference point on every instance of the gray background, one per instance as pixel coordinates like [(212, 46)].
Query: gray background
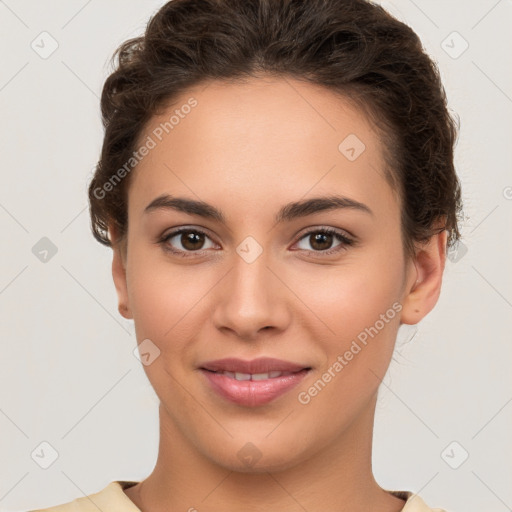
[(68, 375)]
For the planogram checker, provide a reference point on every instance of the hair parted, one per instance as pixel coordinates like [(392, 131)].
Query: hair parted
[(351, 47)]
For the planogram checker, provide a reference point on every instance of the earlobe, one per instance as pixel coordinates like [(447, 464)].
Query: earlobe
[(119, 274), (422, 294)]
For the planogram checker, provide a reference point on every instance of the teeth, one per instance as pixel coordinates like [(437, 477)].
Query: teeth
[(263, 376), (254, 376)]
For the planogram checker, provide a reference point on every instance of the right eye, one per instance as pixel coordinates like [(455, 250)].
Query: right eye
[(188, 240)]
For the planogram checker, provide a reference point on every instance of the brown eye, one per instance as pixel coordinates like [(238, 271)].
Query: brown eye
[(192, 240), (183, 241), (321, 241)]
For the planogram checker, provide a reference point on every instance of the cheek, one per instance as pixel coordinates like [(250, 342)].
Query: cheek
[(162, 296), (360, 303), (365, 319), (165, 303), (346, 298)]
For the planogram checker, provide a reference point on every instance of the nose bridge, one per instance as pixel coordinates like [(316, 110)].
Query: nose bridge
[(251, 296)]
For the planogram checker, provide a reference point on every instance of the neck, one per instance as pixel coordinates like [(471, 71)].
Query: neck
[(338, 478)]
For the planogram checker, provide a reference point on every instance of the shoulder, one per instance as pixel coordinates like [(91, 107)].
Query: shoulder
[(111, 496)]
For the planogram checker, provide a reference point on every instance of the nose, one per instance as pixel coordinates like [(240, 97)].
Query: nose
[(251, 299)]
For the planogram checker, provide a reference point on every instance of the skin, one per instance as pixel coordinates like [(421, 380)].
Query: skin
[(248, 149)]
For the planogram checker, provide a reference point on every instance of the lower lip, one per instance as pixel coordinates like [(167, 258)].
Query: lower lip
[(252, 392)]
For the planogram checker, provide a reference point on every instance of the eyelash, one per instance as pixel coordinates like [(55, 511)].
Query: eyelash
[(345, 242)]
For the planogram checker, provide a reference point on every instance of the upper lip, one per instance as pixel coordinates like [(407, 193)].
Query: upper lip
[(259, 365)]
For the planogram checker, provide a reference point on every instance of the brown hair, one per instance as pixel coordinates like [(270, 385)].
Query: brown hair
[(352, 47)]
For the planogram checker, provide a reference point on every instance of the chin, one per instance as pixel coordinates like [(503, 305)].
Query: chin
[(246, 456), (269, 463)]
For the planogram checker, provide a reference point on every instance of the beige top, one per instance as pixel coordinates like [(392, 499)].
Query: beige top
[(112, 498)]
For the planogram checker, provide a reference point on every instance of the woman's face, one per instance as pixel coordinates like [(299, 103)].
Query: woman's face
[(266, 280)]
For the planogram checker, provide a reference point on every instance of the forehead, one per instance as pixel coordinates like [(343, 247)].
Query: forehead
[(260, 141)]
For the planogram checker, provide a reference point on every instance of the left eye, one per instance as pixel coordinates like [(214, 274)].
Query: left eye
[(321, 240)]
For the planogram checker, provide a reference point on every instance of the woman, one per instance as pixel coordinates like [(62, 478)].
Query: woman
[(277, 185)]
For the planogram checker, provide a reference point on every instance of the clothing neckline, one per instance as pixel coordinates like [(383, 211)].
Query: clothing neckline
[(413, 502), (118, 487)]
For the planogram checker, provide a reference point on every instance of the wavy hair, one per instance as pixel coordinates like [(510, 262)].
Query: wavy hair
[(351, 47)]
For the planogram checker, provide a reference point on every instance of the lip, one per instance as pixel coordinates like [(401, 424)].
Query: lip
[(253, 393)]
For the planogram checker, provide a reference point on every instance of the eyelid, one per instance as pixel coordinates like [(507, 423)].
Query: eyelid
[(180, 229), (314, 229)]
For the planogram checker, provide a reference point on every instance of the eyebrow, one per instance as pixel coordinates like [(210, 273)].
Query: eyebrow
[(287, 213)]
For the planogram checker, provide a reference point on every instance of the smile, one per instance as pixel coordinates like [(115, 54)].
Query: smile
[(252, 390), (253, 376)]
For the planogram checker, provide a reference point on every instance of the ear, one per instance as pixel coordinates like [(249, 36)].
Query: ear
[(119, 248), (425, 278)]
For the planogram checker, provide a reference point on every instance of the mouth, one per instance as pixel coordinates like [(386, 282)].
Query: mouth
[(240, 376), (252, 383), (258, 366)]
